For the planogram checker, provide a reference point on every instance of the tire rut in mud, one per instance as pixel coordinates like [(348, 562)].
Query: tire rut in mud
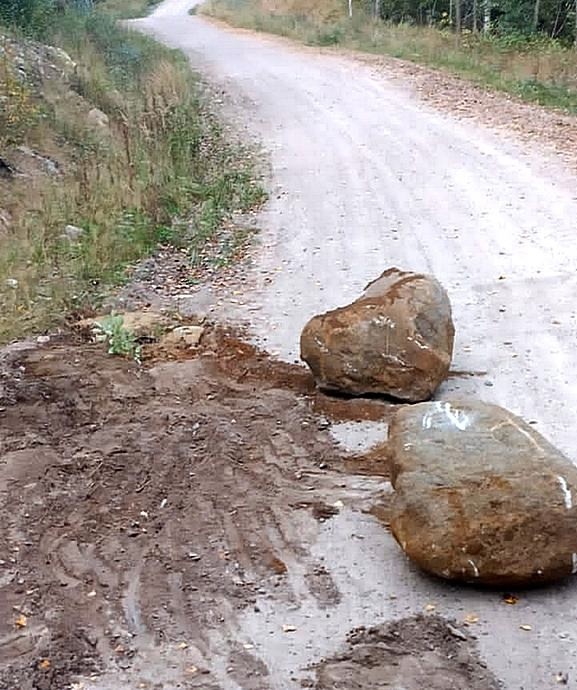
[(144, 508)]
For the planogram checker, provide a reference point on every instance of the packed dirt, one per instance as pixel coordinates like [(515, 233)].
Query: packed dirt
[(145, 508)]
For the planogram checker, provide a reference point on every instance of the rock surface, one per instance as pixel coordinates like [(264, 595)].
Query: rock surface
[(141, 323), (182, 337), (395, 340), (480, 496), (97, 119)]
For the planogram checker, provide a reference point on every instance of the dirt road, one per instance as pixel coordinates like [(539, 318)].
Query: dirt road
[(200, 522), (364, 177)]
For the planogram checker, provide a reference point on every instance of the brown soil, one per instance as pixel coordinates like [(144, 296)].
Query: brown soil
[(143, 507), (415, 653)]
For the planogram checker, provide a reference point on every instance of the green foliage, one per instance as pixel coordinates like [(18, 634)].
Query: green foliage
[(164, 172), (119, 340), (556, 18), (31, 16), (127, 9)]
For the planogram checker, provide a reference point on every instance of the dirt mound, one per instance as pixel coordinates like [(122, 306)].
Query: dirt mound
[(414, 653)]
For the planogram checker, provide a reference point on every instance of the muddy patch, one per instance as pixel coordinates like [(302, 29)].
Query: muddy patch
[(144, 508), (412, 654)]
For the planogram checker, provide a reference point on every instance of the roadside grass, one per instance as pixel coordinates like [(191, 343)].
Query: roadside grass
[(128, 9), (536, 70), (162, 171)]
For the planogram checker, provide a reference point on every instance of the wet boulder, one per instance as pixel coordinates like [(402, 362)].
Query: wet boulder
[(395, 340), (480, 496)]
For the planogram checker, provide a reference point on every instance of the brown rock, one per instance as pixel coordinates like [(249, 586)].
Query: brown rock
[(140, 323), (396, 339), (480, 496), (182, 337)]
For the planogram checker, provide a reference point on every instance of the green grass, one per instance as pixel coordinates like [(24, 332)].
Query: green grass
[(163, 171), (128, 9), (537, 70)]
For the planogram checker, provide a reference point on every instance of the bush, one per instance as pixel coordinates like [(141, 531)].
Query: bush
[(32, 16)]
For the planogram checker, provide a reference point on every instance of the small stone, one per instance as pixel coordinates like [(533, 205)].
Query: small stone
[(183, 337), (73, 233), (11, 283)]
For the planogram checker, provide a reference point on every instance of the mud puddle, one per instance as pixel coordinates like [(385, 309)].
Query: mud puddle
[(176, 525)]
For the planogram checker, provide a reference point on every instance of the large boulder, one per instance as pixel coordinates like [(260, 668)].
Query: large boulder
[(480, 496), (395, 340)]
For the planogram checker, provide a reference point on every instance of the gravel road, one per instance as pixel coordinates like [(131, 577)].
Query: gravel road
[(365, 176)]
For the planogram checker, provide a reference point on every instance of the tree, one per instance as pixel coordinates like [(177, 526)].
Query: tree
[(458, 17), (536, 15)]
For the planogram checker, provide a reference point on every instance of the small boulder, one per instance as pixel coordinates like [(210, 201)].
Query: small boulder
[(183, 337), (72, 233), (395, 340), (97, 119), (141, 324), (5, 221), (480, 496)]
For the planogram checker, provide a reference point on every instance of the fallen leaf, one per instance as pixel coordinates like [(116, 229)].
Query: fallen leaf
[(562, 678), (182, 645), (526, 627), (510, 599), (248, 646), (288, 628), (430, 608), (44, 665), (191, 670), (471, 618), (21, 621)]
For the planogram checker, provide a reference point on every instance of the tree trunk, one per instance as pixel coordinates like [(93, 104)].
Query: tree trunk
[(475, 27), (377, 9), (458, 19), (350, 9), (536, 15), (487, 17)]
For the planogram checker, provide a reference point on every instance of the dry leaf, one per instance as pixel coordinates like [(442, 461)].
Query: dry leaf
[(430, 608), (526, 627), (471, 618), (182, 645), (21, 621), (44, 665), (510, 599), (191, 670), (288, 628)]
